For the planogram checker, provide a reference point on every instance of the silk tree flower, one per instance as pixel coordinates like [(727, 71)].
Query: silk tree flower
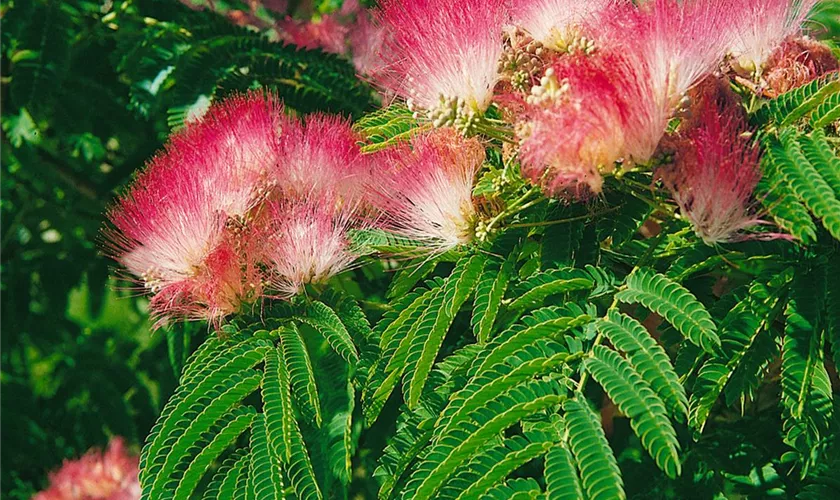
[(327, 33), (554, 23), (308, 242), (676, 42), (714, 174), (112, 475), (797, 61), (589, 112), (366, 41), (760, 26), (182, 225), (425, 191), (321, 154), (442, 55)]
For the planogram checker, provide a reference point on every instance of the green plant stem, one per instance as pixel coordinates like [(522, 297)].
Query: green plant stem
[(566, 221)]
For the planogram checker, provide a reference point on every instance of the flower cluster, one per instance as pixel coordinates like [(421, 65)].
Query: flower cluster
[(248, 203), (112, 475), (240, 206)]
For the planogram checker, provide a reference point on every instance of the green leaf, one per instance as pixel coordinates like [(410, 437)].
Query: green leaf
[(537, 288), (488, 296), (805, 181), (647, 357), (827, 112), (236, 422), (282, 429), (801, 101), (386, 127), (233, 472), (324, 319), (633, 396), (265, 470), (787, 211), (301, 374), (599, 471), (561, 478), (673, 302), (410, 275), (435, 323)]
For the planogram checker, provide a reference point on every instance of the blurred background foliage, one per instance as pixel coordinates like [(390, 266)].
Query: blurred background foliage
[(90, 89)]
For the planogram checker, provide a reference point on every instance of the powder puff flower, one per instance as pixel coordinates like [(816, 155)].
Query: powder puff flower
[(308, 242), (442, 55), (797, 61), (589, 112), (426, 192), (321, 154), (326, 33), (759, 26), (112, 475), (181, 225), (366, 40), (553, 23), (714, 174)]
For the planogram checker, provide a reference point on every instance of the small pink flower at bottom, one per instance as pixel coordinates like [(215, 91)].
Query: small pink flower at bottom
[(308, 242), (112, 475), (714, 174), (424, 192)]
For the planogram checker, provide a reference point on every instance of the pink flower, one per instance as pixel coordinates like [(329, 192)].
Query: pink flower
[(366, 41), (112, 475), (589, 112), (440, 53), (321, 154), (714, 173), (552, 22), (797, 61), (426, 192), (327, 33), (180, 226), (759, 26), (308, 242)]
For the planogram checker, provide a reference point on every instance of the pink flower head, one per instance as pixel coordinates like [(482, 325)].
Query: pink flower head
[(759, 26), (366, 40), (112, 475), (442, 50), (676, 42), (193, 201), (715, 172), (308, 242), (797, 61), (589, 112), (426, 194), (551, 22), (327, 33), (321, 154)]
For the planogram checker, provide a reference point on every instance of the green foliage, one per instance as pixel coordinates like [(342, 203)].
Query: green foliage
[(577, 349)]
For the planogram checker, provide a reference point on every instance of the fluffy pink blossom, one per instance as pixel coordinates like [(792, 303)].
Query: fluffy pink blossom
[(442, 49), (797, 61), (589, 112), (179, 227), (759, 26), (327, 33), (550, 21), (321, 154), (112, 475), (426, 192), (366, 41), (308, 242), (714, 174)]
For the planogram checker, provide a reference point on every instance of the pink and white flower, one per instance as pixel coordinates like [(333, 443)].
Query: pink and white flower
[(759, 26), (714, 174), (180, 227), (112, 475), (308, 242), (442, 52), (553, 22), (321, 154), (425, 193)]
